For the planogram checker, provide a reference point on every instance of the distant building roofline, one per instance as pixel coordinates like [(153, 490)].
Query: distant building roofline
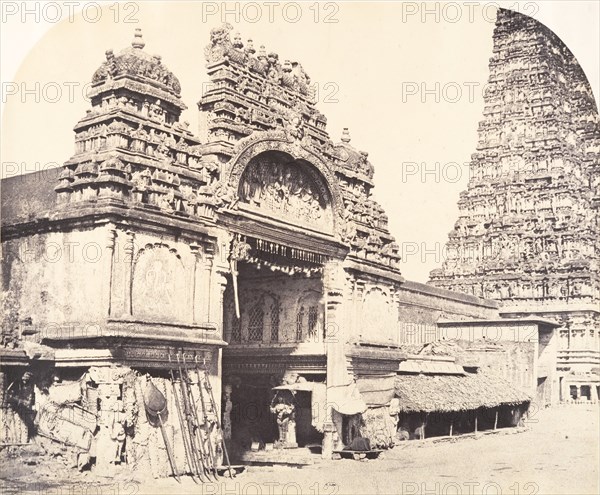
[(525, 320), (449, 294)]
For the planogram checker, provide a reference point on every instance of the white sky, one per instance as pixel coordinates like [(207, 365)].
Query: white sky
[(361, 64)]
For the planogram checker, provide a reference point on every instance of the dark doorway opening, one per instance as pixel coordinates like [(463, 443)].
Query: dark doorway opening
[(251, 419), (586, 392), (306, 433), (573, 391)]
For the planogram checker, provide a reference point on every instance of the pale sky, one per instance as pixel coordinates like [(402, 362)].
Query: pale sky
[(371, 67)]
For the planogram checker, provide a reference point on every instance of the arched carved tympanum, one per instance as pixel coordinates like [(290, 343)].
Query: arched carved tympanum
[(291, 190), (317, 190)]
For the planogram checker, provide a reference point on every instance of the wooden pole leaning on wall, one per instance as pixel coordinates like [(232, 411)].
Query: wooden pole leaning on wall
[(496, 420), (451, 425)]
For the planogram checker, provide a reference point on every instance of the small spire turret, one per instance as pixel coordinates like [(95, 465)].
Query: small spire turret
[(345, 136), (138, 41)]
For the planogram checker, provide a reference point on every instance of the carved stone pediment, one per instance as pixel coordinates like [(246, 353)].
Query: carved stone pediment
[(291, 191)]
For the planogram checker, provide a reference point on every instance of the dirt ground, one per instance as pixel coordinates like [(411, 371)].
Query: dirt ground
[(557, 454)]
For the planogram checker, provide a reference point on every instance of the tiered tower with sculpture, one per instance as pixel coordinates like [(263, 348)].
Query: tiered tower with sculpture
[(528, 232)]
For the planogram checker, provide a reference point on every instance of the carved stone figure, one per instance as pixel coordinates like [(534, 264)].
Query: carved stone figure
[(220, 43), (285, 414)]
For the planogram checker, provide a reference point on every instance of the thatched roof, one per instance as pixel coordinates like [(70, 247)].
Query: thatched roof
[(453, 393)]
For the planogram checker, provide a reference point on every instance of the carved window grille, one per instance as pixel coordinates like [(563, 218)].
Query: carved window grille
[(313, 320), (256, 321), (236, 329), (299, 323), (275, 323)]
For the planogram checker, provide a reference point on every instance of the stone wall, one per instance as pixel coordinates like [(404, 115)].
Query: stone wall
[(517, 351), (382, 311), (66, 284), (55, 280)]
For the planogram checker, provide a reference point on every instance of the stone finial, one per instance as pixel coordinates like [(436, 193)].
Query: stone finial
[(345, 135), (237, 41), (138, 42)]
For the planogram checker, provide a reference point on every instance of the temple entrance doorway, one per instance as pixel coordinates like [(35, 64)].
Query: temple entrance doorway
[(273, 317), (252, 424)]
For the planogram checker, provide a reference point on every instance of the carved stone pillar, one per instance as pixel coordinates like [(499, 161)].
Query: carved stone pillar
[(358, 299), (214, 306), (333, 279), (196, 285), (593, 393), (564, 390), (108, 279), (220, 283), (128, 276)]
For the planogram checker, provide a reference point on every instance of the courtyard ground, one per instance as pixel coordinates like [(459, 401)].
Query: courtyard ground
[(556, 454)]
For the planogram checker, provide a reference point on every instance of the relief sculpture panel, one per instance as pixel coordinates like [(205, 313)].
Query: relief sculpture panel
[(159, 285), (290, 191)]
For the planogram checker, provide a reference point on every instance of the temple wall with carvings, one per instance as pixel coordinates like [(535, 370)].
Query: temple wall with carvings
[(55, 279), (378, 310), (581, 336), (71, 282), (163, 279)]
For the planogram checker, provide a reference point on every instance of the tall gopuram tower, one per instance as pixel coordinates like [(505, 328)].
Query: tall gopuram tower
[(528, 230)]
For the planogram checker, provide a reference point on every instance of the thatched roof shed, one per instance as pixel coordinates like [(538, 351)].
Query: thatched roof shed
[(453, 393)]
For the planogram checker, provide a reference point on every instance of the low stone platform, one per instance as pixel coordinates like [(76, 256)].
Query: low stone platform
[(301, 456)]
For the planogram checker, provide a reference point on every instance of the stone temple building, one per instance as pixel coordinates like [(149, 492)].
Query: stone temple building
[(528, 232), (164, 291)]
